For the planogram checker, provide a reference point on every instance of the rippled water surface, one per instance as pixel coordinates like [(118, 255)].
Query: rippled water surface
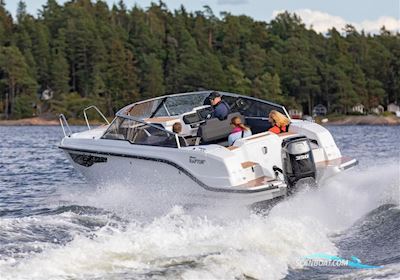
[(53, 225)]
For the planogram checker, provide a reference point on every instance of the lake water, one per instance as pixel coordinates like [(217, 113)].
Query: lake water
[(53, 225)]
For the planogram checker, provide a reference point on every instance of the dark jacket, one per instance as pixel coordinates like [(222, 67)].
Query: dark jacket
[(221, 110)]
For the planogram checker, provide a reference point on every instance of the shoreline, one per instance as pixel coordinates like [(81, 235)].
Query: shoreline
[(34, 121), (344, 120), (362, 120), (40, 121)]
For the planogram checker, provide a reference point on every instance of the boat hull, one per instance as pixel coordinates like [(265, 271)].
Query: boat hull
[(162, 181)]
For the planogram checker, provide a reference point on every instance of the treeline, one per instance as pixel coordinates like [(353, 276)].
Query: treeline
[(86, 52)]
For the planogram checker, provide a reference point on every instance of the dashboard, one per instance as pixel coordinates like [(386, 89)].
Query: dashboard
[(198, 115)]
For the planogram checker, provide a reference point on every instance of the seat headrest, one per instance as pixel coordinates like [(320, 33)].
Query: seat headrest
[(214, 129)]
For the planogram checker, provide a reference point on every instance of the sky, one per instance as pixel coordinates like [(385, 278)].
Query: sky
[(367, 15)]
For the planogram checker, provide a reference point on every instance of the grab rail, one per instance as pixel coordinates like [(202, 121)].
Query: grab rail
[(63, 120), (98, 111)]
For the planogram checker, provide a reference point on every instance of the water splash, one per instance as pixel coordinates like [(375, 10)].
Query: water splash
[(192, 245)]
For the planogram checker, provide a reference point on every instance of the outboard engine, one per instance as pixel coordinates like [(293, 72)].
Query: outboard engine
[(297, 160)]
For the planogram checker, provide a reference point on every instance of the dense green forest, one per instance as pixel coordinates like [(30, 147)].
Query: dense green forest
[(89, 53)]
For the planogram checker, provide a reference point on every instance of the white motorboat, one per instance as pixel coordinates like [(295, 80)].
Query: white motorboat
[(138, 149)]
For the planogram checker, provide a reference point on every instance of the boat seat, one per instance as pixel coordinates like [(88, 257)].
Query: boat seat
[(248, 164), (214, 129), (231, 148), (258, 125)]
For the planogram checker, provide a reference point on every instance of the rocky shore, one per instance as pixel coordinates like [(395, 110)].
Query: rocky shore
[(29, 122)]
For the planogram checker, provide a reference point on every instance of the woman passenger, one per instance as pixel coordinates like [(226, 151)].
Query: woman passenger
[(239, 130), (280, 123)]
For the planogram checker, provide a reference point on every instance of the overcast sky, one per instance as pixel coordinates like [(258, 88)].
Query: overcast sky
[(369, 15)]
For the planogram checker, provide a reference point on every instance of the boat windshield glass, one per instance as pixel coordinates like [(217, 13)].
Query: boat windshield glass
[(139, 133), (146, 109), (180, 104), (168, 106)]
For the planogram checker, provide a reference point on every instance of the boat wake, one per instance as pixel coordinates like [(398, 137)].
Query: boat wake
[(101, 234)]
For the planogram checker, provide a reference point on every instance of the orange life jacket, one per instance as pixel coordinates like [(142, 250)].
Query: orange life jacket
[(276, 129)]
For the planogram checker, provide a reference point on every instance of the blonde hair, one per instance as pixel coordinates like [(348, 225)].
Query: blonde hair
[(278, 118), (237, 121)]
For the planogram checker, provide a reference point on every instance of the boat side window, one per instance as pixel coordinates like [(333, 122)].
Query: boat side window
[(115, 130), (256, 113), (152, 136), (139, 133), (254, 108)]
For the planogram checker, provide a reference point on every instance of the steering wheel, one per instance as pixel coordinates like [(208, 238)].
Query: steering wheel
[(205, 113), (242, 105)]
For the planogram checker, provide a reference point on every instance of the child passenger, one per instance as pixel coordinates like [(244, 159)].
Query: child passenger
[(239, 130)]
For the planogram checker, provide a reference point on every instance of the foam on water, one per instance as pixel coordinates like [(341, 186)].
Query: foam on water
[(255, 247), (345, 198), (192, 246)]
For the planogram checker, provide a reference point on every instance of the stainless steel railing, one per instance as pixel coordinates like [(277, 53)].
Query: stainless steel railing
[(98, 111)]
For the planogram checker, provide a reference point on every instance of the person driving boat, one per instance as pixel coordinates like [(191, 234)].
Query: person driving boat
[(221, 108)]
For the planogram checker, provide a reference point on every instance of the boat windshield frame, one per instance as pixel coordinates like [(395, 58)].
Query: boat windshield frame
[(158, 106), (176, 136)]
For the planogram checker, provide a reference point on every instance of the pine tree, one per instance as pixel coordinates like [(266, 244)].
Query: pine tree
[(268, 87), (59, 68), (121, 82), (15, 79), (237, 81), (189, 63), (153, 80), (21, 11), (6, 26), (254, 59), (41, 54)]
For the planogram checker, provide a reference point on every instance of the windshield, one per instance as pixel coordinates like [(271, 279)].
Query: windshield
[(180, 104), (145, 109), (168, 106), (140, 133)]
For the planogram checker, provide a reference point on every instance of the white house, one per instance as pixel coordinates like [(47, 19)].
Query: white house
[(319, 110), (296, 113), (393, 107), (359, 108), (378, 110)]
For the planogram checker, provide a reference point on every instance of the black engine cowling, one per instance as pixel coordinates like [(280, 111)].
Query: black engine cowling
[(297, 160)]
